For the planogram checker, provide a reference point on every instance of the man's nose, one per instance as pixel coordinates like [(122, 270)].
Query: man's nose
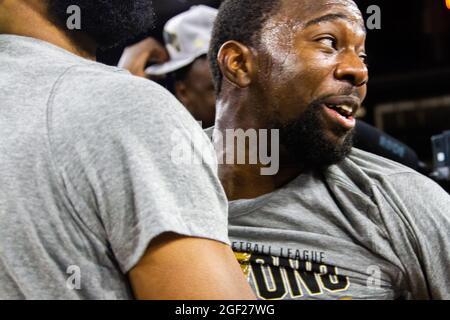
[(352, 69)]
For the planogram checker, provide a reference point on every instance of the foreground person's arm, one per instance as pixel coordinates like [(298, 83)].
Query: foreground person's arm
[(133, 161), (176, 267)]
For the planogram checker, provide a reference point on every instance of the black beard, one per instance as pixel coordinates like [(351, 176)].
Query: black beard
[(110, 23), (307, 144)]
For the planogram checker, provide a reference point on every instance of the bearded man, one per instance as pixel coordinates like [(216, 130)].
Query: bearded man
[(333, 222)]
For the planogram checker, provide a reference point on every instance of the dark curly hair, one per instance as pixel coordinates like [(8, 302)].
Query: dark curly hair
[(110, 23), (239, 20)]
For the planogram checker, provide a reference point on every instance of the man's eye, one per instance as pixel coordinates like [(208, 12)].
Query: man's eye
[(364, 58), (328, 41)]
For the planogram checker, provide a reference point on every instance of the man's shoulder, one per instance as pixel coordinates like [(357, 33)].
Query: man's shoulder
[(373, 178), (377, 166), (361, 171), (100, 103), (96, 90), (97, 78)]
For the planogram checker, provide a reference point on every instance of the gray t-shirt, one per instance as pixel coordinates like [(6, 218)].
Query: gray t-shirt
[(86, 174), (367, 228)]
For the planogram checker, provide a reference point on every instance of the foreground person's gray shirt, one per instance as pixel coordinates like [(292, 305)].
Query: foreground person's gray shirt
[(367, 228), (86, 177)]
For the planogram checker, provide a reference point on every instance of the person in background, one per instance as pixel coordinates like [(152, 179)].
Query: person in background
[(92, 205), (184, 65)]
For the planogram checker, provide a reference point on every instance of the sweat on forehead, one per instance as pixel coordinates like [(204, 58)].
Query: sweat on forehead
[(316, 6), (295, 12)]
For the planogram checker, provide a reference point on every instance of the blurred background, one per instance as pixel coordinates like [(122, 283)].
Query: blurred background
[(409, 63)]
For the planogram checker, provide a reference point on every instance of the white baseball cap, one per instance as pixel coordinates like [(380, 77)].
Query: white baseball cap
[(186, 37)]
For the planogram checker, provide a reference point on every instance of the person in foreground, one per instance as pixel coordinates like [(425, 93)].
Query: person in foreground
[(334, 222), (91, 206)]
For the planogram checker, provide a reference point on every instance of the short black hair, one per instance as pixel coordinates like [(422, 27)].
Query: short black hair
[(110, 23), (239, 20)]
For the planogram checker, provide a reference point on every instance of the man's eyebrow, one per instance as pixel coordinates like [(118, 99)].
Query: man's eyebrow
[(330, 17)]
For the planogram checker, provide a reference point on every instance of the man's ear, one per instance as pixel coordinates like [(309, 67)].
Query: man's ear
[(182, 93), (236, 62)]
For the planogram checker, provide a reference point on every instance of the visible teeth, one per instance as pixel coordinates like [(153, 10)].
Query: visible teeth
[(346, 108), (343, 109)]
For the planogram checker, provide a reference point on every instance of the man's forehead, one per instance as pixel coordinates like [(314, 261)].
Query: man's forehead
[(295, 15), (302, 11)]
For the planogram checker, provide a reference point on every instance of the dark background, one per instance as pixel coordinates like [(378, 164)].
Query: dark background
[(409, 62)]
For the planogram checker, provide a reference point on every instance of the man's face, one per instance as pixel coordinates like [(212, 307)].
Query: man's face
[(109, 23), (200, 98), (314, 76)]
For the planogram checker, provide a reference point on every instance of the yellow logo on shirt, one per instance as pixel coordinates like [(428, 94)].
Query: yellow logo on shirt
[(276, 278)]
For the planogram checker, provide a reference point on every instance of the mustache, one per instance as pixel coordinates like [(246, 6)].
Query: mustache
[(345, 91)]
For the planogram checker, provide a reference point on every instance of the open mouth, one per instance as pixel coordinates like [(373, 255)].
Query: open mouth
[(343, 110)]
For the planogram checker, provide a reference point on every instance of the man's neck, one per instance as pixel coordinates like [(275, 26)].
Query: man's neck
[(247, 181), (29, 21)]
